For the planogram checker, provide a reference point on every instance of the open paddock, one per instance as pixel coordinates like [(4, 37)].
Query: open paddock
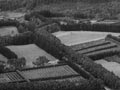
[(71, 38), (31, 52)]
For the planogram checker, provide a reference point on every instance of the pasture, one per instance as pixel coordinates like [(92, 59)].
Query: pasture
[(31, 52), (77, 37)]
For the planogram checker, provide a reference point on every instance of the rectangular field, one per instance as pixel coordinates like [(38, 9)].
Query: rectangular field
[(71, 38), (31, 52), (51, 72)]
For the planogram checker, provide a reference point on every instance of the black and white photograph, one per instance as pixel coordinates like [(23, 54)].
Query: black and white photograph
[(59, 44)]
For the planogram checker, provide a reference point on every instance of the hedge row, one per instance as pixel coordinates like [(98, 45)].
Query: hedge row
[(78, 83), (101, 55), (98, 82), (109, 78), (8, 22), (7, 53), (73, 27), (20, 39), (52, 45), (105, 27), (114, 38), (49, 43), (91, 27)]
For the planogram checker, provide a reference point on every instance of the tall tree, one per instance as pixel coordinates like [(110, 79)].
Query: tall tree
[(40, 61)]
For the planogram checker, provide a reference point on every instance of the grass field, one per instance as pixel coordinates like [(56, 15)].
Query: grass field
[(8, 30), (111, 66), (78, 37), (30, 52)]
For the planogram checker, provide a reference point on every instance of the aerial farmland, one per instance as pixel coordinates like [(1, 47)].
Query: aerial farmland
[(59, 45)]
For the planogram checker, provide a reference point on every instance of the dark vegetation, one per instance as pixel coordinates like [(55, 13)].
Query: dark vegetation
[(105, 27), (113, 58), (40, 61), (53, 46), (91, 27), (77, 8), (7, 53), (65, 84), (116, 39), (97, 56), (20, 39), (8, 22), (97, 49), (16, 64), (35, 14), (49, 14)]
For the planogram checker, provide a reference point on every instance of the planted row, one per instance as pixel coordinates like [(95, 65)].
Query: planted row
[(113, 38), (109, 78), (105, 53)]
